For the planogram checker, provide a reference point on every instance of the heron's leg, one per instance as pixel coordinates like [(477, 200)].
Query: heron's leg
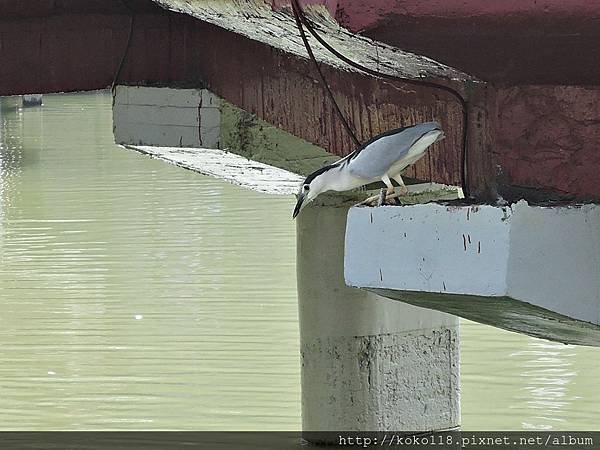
[(381, 199), (403, 189), (383, 196), (388, 183), (392, 195)]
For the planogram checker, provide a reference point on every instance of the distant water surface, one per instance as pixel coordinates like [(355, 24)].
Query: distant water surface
[(138, 295)]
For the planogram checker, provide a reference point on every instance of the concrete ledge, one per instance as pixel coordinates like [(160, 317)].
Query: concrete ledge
[(227, 166), (530, 269)]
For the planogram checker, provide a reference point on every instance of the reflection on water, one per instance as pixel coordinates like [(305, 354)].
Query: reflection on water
[(547, 375), (510, 381), (138, 295)]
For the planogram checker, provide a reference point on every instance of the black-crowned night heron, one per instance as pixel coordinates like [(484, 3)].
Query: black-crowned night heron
[(382, 158)]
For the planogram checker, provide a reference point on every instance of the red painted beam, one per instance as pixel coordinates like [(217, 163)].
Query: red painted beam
[(363, 14), (68, 51), (503, 41), (533, 137), (548, 137)]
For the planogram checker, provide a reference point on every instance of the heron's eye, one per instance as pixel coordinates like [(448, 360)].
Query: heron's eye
[(306, 188)]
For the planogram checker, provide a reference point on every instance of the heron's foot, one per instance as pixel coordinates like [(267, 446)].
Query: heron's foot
[(369, 201), (393, 199), (382, 199), (403, 190)]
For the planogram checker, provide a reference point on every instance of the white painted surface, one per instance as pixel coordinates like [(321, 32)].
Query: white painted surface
[(546, 256), (428, 248), (166, 117), (143, 95), (229, 167), (555, 259)]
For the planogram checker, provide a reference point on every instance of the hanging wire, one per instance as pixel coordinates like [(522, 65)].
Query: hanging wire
[(127, 46), (298, 14), (301, 20)]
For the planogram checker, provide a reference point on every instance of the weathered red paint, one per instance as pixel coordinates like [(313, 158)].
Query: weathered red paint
[(534, 137), (504, 41), (549, 137), (66, 52), (363, 14)]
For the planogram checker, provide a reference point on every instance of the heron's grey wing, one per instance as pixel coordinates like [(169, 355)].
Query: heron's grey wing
[(377, 156)]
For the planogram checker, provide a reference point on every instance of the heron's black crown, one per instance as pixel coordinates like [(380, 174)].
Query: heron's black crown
[(318, 172)]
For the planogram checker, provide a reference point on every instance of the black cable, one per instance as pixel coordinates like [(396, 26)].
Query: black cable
[(301, 19), (127, 46), (297, 15)]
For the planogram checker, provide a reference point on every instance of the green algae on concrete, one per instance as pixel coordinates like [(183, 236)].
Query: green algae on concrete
[(245, 134)]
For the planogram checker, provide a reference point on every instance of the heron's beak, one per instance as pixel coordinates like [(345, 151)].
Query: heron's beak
[(299, 205)]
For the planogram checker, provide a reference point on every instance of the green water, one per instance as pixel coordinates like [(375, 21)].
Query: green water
[(138, 295)]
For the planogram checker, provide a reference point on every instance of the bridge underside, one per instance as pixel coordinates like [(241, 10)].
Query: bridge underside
[(531, 141)]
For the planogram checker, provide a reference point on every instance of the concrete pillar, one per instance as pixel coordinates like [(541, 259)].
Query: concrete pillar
[(368, 363)]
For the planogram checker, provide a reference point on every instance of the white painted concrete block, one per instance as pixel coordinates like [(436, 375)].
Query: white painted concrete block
[(210, 118), (208, 99), (546, 259), (143, 95), (429, 249), (157, 115), (165, 136), (166, 117), (555, 259)]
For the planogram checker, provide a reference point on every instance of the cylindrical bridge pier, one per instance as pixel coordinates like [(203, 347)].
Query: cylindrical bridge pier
[(368, 363)]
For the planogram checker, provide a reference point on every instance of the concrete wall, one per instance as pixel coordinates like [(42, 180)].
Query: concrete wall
[(368, 363), (530, 269), (554, 259), (166, 117)]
